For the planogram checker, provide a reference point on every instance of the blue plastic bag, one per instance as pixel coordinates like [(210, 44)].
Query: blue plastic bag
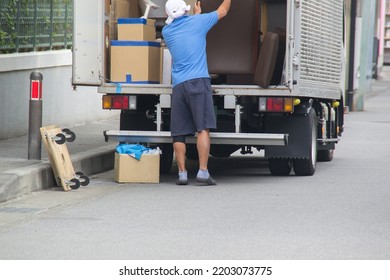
[(134, 150)]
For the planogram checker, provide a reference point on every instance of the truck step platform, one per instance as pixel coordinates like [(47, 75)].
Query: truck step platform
[(223, 138)]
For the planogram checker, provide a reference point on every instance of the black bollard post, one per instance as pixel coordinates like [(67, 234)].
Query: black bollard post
[(35, 116)]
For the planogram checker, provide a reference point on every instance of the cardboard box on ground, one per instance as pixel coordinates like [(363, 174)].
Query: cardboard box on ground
[(130, 170)]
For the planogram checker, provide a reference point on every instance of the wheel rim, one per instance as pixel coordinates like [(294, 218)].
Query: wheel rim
[(314, 145)]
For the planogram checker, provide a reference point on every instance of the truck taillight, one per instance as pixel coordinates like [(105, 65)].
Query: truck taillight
[(121, 102), (276, 104)]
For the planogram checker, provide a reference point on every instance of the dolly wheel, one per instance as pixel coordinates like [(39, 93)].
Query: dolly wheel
[(60, 138), (70, 135), (74, 184), (84, 180)]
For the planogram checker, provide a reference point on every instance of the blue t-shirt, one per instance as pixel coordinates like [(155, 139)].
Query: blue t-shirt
[(186, 40)]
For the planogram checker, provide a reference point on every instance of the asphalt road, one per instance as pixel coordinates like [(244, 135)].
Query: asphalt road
[(342, 212)]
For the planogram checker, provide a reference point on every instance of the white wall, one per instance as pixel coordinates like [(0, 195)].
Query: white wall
[(62, 105)]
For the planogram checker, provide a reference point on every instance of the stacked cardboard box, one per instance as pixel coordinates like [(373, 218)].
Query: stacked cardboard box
[(121, 9), (136, 29), (135, 62), (135, 56)]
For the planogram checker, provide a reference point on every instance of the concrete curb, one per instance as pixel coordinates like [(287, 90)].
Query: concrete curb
[(94, 161), (39, 175)]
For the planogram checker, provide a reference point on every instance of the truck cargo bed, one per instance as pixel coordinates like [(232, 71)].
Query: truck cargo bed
[(236, 90)]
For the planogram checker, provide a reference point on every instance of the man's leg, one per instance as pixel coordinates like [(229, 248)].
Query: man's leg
[(180, 153), (203, 146)]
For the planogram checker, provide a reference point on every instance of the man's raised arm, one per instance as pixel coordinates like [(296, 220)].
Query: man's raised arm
[(223, 9)]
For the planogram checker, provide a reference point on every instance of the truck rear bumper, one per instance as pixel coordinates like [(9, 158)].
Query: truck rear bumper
[(222, 138)]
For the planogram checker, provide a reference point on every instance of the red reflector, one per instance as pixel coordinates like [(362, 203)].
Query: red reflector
[(275, 104), (36, 90), (120, 102)]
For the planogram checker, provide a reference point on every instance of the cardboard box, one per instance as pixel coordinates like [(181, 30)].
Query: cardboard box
[(135, 62), (125, 8), (122, 9), (136, 29), (130, 170)]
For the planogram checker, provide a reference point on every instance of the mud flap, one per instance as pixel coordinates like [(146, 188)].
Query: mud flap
[(299, 139)]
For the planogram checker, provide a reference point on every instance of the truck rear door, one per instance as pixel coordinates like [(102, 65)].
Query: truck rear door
[(88, 42), (291, 10)]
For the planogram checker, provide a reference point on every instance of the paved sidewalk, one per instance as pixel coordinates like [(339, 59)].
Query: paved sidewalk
[(89, 153)]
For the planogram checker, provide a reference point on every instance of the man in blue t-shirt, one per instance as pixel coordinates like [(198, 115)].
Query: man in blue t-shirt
[(192, 104)]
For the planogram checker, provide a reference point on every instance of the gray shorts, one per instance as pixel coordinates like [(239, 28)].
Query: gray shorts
[(192, 107)]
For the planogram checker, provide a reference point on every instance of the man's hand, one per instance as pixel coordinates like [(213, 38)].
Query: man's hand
[(197, 8)]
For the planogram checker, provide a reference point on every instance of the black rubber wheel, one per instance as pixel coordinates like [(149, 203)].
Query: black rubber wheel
[(70, 135), (307, 166), (75, 185), (166, 158), (325, 155), (279, 167), (79, 173), (84, 180), (61, 140)]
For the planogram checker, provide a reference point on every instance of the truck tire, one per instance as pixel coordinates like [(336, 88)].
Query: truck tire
[(325, 155), (279, 166), (166, 158), (307, 166)]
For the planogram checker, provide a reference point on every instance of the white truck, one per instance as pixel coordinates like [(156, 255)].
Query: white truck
[(277, 73)]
